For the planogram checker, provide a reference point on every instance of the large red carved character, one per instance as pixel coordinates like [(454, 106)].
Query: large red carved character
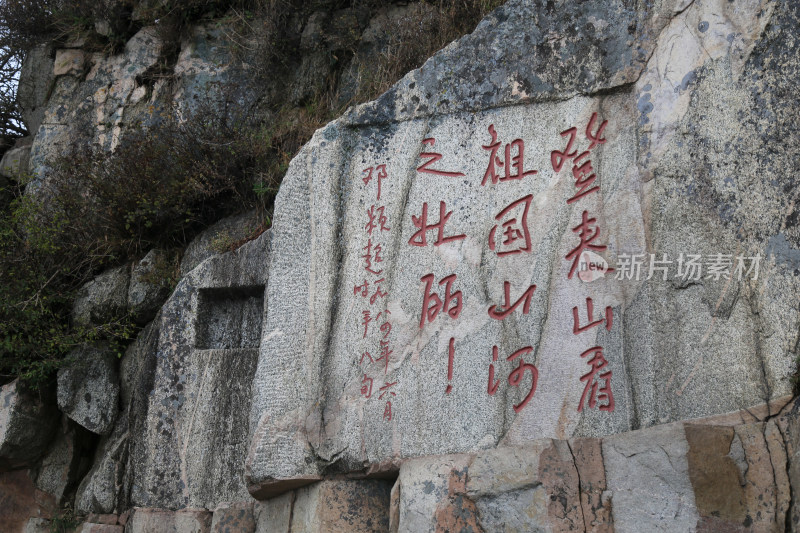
[(512, 165), (420, 238), (433, 157), (514, 236), (432, 304)]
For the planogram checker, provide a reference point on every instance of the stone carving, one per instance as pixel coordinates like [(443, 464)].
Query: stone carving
[(451, 272)]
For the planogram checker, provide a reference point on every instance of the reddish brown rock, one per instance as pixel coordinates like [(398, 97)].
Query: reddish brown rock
[(739, 477), (357, 506), (595, 500), (234, 518), (715, 477), (458, 512), (20, 500)]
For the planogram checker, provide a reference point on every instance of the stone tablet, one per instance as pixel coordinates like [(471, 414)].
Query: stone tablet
[(477, 260)]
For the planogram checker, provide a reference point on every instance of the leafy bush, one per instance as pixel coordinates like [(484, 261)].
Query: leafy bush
[(162, 184), (95, 209)]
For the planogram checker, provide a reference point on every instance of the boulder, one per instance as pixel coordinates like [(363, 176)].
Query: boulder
[(149, 286), (101, 528), (65, 462), (35, 83), (234, 518), (145, 520), (357, 506), (219, 238), (103, 299), (14, 164), (68, 61), (88, 388), (191, 441), (121, 455), (100, 491), (28, 421), (38, 525)]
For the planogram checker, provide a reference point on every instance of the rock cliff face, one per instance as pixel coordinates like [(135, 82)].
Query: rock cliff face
[(547, 282)]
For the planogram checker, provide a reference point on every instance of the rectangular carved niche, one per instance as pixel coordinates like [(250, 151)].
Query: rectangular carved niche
[(229, 318)]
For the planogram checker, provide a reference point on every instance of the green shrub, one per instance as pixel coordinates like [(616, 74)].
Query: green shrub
[(162, 184)]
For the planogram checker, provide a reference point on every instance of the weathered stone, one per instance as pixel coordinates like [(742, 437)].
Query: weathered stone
[(101, 528), (145, 520), (35, 83), (64, 463), (109, 519), (68, 61), (20, 501), (120, 455), (595, 499), (234, 518), (647, 473), (764, 480), (219, 238), (14, 164), (38, 525), (98, 106), (149, 286), (104, 298), (99, 491), (527, 488), (194, 432), (88, 388), (789, 425), (27, 424), (423, 489), (345, 505), (275, 515)]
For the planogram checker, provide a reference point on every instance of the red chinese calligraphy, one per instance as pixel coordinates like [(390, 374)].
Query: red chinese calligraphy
[(577, 328), (512, 165), (500, 312), (557, 158), (451, 352), (433, 157), (361, 289), (366, 387), (381, 174), (376, 219), (385, 353), (385, 390), (378, 292), (595, 137), (514, 236), (493, 385), (372, 254), (587, 237), (432, 304), (593, 389), (366, 319), (584, 177), (387, 411), (516, 376), (420, 237)]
